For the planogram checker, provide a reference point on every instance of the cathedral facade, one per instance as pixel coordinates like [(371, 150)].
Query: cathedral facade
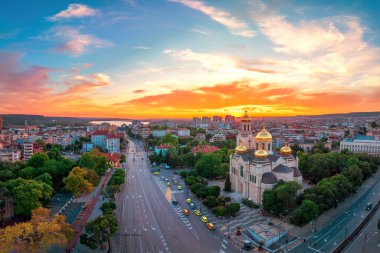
[(254, 167)]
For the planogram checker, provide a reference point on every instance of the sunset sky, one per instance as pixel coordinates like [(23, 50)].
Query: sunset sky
[(185, 58)]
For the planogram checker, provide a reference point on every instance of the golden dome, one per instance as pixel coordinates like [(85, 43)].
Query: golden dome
[(241, 149), (261, 153), (286, 150), (264, 135)]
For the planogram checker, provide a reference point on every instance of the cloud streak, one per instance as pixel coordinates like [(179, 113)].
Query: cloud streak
[(233, 24), (74, 11), (68, 39)]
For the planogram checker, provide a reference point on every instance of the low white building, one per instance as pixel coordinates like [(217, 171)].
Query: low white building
[(362, 144), (158, 133), (183, 132)]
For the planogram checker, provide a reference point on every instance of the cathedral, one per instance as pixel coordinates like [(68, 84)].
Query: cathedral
[(255, 167)]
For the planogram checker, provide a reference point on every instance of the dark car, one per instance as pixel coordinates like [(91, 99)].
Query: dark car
[(175, 202), (368, 206)]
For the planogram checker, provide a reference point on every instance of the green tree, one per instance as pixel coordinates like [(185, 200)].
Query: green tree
[(307, 211), (227, 184), (99, 231), (208, 166), (46, 178), (170, 139), (76, 182), (28, 195), (94, 160), (213, 190), (219, 211), (272, 203), (233, 208), (354, 174), (29, 172), (287, 193), (210, 202), (54, 153), (108, 207), (37, 160)]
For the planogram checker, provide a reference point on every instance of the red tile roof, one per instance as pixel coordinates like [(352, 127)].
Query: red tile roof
[(112, 136), (205, 149), (100, 132), (162, 146)]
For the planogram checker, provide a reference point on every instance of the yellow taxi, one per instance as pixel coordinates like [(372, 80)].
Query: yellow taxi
[(210, 226), (167, 183), (197, 212), (156, 173), (179, 187), (188, 201), (204, 219)]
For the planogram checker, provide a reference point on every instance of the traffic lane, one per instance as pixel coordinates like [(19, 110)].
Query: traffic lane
[(369, 238), (175, 216), (135, 224), (175, 231)]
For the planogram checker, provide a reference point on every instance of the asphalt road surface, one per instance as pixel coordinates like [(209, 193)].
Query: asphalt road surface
[(369, 239), (148, 222), (334, 233)]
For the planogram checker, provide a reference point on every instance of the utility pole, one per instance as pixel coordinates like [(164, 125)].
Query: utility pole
[(365, 239)]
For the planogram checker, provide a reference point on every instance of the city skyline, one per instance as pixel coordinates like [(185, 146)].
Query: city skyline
[(182, 58)]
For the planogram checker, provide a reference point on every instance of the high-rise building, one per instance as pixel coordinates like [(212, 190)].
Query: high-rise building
[(205, 120), (28, 151), (216, 119), (196, 121), (229, 119)]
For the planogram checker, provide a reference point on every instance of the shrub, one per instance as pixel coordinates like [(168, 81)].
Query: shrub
[(210, 202), (219, 211), (108, 207), (202, 192), (183, 174), (233, 208), (213, 190), (196, 187), (249, 203)]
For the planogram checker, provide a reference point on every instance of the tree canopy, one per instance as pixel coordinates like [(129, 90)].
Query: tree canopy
[(36, 235), (76, 182)]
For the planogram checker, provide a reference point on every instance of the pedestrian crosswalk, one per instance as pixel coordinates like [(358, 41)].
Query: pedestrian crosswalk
[(223, 247), (247, 217)]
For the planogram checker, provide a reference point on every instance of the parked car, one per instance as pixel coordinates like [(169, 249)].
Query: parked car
[(368, 206)]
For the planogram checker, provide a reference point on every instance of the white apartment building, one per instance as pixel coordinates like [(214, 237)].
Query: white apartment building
[(362, 144)]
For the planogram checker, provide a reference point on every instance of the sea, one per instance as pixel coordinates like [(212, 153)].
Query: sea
[(116, 122)]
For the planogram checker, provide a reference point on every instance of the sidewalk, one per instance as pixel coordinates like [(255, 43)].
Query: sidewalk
[(87, 211), (326, 217)]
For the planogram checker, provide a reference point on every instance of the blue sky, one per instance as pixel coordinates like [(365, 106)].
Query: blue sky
[(109, 58)]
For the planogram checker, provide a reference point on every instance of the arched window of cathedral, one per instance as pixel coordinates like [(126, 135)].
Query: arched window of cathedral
[(241, 171), (257, 145), (268, 146)]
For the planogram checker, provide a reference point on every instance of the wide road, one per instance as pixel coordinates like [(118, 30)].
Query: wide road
[(333, 234), (147, 220), (369, 239)]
